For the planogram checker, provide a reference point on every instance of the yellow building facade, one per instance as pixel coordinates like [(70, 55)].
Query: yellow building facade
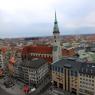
[(67, 75)]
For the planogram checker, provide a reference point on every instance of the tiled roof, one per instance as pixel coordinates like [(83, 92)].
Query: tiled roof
[(88, 69), (37, 49), (3, 49), (68, 52)]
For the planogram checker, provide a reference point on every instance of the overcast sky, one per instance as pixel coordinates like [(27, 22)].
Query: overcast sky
[(29, 18)]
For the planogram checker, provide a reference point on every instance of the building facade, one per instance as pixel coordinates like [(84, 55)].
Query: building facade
[(34, 51), (1, 61), (73, 76), (87, 79), (33, 72)]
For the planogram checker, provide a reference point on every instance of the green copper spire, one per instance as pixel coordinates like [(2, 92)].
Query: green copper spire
[(55, 17), (55, 29)]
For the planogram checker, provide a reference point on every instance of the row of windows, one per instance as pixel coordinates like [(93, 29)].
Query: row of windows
[(42, 55), (86, 79), (82, 86), (74, 85), (85, 75), (74, 81), (74, 73), (35, 79), (58, 69), (86, 83), (32, 70)]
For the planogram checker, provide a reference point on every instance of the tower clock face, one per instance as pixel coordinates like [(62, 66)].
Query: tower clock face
[(55, 48)]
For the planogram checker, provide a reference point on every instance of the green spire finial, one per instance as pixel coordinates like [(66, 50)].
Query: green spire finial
[(55, 29), (55, 17)]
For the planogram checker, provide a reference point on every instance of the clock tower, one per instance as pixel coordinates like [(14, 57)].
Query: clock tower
[(56, 41)]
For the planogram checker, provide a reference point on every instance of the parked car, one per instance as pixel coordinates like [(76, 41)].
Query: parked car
[(32, 90)]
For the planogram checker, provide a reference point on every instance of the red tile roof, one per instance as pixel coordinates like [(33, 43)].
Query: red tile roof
[(68, 53), (37, 49), (4, 49)]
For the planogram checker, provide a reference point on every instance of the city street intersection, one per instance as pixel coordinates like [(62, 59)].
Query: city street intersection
[(14, 90)]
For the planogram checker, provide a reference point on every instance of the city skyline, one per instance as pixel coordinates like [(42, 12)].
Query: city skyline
[(28, 18)]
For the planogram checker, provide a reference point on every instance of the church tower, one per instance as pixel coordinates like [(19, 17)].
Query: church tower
[(56, 41)]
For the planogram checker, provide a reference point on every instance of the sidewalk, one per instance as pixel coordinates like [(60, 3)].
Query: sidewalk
[(15, 90), (55, 91)]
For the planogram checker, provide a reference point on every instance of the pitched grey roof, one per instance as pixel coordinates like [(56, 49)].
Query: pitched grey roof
[(34, 64), (73, 64), (88, 69), (69, 63)]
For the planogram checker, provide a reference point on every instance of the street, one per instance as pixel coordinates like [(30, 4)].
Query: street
[(15, 90), (3, 92)]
